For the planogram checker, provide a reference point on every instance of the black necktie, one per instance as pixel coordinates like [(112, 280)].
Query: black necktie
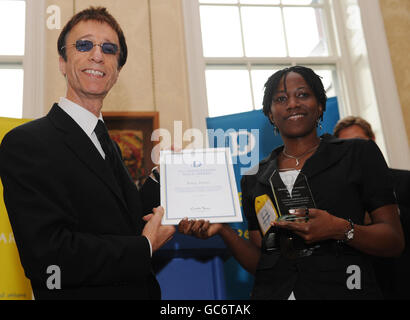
[(111, 155)]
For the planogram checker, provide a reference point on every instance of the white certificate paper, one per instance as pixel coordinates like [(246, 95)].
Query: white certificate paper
[(199, 184)]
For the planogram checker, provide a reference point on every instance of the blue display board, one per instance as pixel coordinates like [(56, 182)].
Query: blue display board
[(251, 138), (188, 268)]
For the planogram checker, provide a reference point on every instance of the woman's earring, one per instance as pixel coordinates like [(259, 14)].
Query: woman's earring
[(319, 124), (275, 129)]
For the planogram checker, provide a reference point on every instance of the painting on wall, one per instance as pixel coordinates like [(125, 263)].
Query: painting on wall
[(132, 132)]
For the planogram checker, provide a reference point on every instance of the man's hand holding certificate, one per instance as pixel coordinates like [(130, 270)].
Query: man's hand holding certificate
[(199, 184)]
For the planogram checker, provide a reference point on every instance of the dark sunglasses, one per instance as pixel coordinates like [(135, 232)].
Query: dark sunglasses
[(87, 45)]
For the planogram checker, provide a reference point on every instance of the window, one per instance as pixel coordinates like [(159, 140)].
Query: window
[(234, 45), (12, 17), (245, 41)]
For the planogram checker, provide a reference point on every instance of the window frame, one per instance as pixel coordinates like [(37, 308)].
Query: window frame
[(14, 61), (32, 62), (392, 137)]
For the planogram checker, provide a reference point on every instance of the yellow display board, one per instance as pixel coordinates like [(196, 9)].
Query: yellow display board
[(13, 283)]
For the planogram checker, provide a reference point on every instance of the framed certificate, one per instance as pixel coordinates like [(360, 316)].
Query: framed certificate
[(199, 184)]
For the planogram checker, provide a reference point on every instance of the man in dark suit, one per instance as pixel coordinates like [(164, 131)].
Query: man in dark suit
[(70, 200)]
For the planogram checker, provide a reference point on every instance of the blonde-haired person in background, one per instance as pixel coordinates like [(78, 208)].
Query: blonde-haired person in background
[(353, 127), (392, 273)]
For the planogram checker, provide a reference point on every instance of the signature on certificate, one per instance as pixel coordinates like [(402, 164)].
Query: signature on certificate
[(199, 209)]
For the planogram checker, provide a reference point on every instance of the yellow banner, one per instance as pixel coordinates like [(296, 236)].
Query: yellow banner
[(13, 283)]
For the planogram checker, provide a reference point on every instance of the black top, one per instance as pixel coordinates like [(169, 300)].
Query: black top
[(347, 178)]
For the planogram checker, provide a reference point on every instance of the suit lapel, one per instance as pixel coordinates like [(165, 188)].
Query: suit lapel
[(130, 191), (270, 165), (79, 143), (330, 151)]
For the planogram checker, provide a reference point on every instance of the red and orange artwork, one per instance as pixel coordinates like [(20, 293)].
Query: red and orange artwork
[(131, 145)]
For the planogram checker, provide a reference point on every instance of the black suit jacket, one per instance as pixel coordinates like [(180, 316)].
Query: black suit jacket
[(393, 273), (66, 209), (347, 178)]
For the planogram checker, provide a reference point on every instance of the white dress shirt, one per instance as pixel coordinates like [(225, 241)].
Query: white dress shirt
[(288, 178), (87, 121)]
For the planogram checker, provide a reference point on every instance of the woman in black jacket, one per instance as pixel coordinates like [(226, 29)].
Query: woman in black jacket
[(323, 254)]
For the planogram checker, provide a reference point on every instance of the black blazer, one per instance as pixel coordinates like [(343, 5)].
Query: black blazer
[(66, 210), (347, 178), (393, 273)]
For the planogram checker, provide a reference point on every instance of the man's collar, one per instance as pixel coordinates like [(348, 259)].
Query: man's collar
[(84, 118)]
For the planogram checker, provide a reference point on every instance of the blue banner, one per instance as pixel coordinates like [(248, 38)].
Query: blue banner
[(250, 138)]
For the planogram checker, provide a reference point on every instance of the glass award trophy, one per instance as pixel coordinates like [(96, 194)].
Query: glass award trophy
[(291, 191)]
